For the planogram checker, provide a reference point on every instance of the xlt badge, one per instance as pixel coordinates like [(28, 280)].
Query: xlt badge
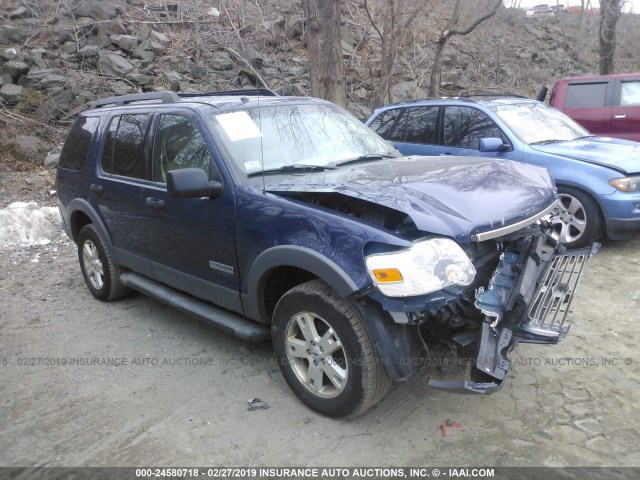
[(221, 266)]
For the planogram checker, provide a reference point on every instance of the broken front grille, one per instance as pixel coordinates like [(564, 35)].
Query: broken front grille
[(547, 314)]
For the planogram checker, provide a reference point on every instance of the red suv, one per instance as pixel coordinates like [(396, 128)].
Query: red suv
[(605, 105)]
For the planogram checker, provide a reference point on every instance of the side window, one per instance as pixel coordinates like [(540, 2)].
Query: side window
[(76, 146), (464, 127), (178, 144), (421, 125), (586, 95), (630, 94), (123, 152), (390, 125)]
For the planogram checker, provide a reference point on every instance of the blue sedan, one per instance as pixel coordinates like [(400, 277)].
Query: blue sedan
[(598, 178)]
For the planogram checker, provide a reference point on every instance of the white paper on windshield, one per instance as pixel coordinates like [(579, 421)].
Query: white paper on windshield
[(238, 126)]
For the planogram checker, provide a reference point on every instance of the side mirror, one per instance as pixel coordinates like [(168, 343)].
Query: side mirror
[(191, 183), (492, 144)]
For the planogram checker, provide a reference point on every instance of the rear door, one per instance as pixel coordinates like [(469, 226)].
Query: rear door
[(193, 246), (117, 190), (588, 102), (412, 130), (625, 114)]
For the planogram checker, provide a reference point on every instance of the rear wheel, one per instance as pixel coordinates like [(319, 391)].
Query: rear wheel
[(326, 352), (577, 221), (100, 273)]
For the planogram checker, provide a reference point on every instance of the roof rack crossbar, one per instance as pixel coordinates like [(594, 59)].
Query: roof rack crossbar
[(165, 97)]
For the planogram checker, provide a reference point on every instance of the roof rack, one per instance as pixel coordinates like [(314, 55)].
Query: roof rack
[(251, 92), (173, 97), (492, 94), (165, 97)]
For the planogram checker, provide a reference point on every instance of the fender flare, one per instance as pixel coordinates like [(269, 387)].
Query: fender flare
[(81, 205), (298, 257)]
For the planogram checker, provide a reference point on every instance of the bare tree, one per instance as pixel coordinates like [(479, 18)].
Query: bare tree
[(325, 49), (398, 17), (452, 29), (609, 15)]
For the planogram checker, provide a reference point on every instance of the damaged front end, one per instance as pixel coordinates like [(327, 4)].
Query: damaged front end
[(526, 300)]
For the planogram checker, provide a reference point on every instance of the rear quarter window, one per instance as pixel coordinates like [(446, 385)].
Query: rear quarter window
[(586, 95), (76, 147)]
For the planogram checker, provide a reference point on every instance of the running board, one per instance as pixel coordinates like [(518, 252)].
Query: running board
[(222, 319)]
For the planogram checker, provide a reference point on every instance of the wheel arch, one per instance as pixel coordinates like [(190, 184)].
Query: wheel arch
[(278, 269), (586, 191), (82, 213)]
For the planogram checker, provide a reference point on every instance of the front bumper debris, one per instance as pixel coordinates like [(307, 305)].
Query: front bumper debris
[(519, 311)]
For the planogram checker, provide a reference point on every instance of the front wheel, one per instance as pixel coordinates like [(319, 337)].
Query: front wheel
[(326, 351), (577, 221)]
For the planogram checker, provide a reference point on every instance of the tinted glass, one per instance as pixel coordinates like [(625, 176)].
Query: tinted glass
[(586, 95), (630, 94), (78, 142), (421, 125), (465, 126), (178, 144), (390, 125), (107, 153), (128, 150)]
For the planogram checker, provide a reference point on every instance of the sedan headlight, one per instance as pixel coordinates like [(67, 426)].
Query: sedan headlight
[(428, 266), (626, 184)]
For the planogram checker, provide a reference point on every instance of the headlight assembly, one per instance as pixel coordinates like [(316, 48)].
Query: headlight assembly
[(626, 184), (428, 266)]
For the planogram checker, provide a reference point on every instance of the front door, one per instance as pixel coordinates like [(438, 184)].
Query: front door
[(192, 239)]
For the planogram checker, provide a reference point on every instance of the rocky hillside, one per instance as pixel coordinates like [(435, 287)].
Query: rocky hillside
[(57, 56)]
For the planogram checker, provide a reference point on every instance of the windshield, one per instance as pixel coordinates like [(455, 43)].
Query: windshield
[(538, 123), (302, 135)]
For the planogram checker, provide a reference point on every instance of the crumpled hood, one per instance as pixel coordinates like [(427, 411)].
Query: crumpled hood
[(452, 196), (622, 155)]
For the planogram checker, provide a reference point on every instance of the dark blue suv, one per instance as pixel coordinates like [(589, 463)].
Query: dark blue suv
[(287, 219)]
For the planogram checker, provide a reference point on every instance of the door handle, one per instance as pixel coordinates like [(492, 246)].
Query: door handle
[(154, 202), (95, 188), (619, 117)]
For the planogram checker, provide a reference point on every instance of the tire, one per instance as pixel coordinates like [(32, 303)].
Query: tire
[(309, 321), (100, 273), (577, 222)]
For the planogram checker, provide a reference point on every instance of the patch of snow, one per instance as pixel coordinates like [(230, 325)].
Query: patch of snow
[(23, 224)]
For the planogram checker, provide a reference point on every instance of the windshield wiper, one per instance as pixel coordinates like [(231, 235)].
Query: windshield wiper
[(365, 158), (296, 167)]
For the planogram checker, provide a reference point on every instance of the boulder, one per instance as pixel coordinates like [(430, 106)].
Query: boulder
[(89, 51), (10, 54), (98, 10), (125, 42), (10, 93), (171, 77), (56, 106), (221, 61), (116, 65), (160, 38), (52, 80), (14, 68), (140, 78), (144, 52)]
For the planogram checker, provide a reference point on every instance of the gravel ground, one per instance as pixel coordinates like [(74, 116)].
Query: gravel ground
[(176, 391)]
